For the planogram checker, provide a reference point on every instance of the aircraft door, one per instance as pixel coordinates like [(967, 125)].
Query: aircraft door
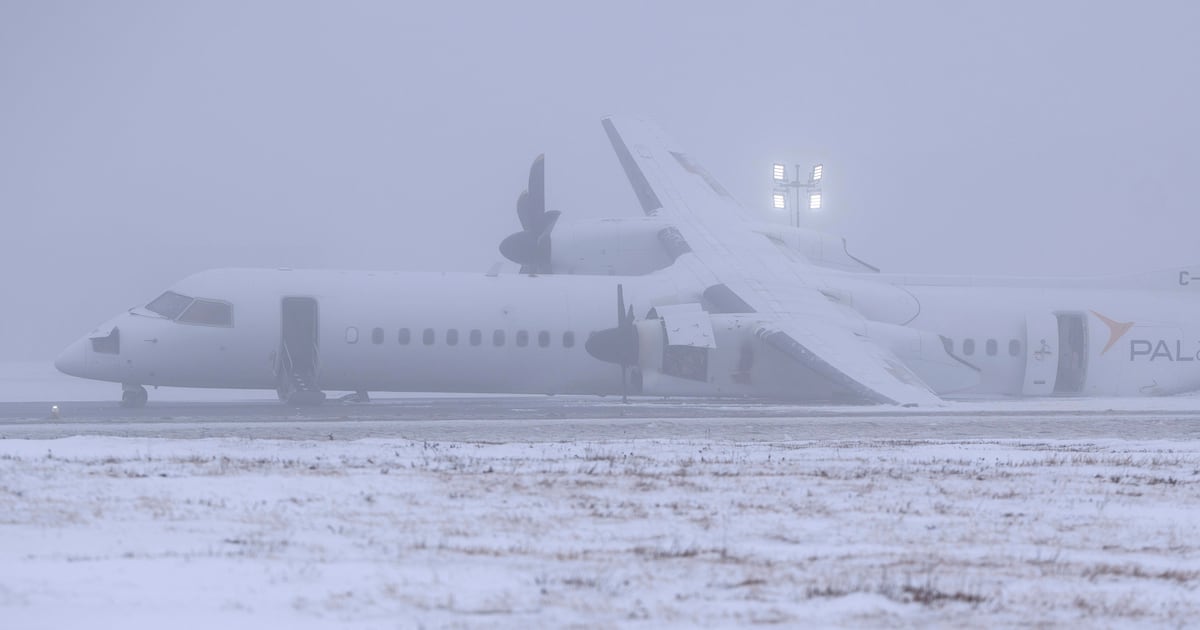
[(299, 359), (1072, 353), (1041, 354)]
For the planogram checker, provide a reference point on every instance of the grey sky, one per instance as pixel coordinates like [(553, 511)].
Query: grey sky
[(141, 142)]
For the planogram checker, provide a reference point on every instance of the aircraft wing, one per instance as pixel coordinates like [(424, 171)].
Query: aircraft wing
[(713, 242)]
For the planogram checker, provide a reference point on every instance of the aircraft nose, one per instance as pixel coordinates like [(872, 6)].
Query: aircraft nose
[(71, 361)]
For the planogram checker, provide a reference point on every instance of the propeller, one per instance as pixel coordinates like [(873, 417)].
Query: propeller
[(617, 345), (531, 246)]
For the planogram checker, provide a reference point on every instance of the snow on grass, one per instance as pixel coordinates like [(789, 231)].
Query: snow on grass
[(648, 533)]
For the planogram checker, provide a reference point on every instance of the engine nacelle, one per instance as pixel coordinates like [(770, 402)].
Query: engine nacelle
[(616, 247)]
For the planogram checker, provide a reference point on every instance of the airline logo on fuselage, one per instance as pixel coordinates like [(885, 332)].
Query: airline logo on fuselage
[(1146, 349), (1160, 349), (1116, 330)]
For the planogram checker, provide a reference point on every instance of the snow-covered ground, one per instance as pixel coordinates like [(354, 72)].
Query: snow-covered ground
[(112, 532)]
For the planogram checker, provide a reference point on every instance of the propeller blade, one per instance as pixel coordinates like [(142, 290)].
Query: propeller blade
[(537, 185), (521, 248), (526, 213), (617, 345), (531, 246), (620, 305)]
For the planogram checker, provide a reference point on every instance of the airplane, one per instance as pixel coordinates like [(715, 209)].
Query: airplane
[(697, 298)]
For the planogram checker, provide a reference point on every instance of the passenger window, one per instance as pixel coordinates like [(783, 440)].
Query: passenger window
[(568, 339), (1014, 348), (405, 336), (208, 313), (476, 337), (991, 347), (969, 347), (351, 335), (377, 336), (948, 343), (522, 338), (169, 304), (544, 339), (498, 338), (427, 337), (452, 337)]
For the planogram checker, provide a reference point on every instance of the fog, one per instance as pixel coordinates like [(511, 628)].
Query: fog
[(141, 142)]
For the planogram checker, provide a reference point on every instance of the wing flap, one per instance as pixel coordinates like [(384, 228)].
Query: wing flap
[(863, 368)]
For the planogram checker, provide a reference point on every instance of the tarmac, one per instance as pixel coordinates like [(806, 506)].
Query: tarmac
[(566, 418)]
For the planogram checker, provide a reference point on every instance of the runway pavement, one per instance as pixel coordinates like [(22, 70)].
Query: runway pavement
[(565, 418)]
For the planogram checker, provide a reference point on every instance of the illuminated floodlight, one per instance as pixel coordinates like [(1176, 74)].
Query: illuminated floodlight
[(779, 172), (779, 201), (817, 172), (814, 201)]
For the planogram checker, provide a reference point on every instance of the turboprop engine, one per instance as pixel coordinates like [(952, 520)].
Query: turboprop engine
[(627, 247), (632, 246)]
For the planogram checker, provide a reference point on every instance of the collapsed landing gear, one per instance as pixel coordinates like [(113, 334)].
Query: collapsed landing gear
[(133, 396)]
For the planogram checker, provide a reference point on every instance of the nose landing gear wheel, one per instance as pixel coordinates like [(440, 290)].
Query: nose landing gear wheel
[(134, 396)]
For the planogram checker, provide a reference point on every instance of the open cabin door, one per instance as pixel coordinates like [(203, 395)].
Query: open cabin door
[(1056, 353), (1041, 354), (1072, 353), (299, 359)]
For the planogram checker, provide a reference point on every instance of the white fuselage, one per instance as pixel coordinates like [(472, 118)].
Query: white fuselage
[(526, 334), (531, 332)]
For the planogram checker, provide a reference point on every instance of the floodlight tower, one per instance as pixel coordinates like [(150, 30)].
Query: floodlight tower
[(811, 188)]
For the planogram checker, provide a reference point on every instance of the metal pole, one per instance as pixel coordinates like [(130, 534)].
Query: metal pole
[(796, 185)]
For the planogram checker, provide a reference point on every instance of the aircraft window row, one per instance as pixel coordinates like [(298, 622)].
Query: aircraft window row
[(474, 337), (189, 310), (991, 347)]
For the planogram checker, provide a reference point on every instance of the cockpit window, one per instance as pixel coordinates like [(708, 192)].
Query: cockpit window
[(209, 313), (169, 304)]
